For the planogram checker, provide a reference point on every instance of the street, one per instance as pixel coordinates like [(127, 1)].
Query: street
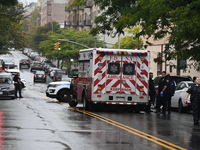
[(36, 122)]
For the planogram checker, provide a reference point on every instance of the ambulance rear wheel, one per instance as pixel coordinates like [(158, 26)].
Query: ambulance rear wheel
[(86, 104)]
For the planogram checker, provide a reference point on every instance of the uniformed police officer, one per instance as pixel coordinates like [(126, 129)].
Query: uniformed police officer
[(162, 93), (17, 83), (194, 92), (152, 93)]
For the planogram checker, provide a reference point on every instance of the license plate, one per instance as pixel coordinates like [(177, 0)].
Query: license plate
[(120, 98)]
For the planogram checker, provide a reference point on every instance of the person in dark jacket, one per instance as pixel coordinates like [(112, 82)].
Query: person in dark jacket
[(18, 85), (194, 92), (162, 94), (152, 93)]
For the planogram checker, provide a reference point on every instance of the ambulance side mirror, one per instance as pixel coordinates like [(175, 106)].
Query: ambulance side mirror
[(75, 76)]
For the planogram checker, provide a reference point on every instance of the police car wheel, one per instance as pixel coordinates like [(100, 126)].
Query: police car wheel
[(63, 96)]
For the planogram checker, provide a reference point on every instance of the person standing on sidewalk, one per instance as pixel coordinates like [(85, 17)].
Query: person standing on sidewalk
[(152, 93), (194, 92)]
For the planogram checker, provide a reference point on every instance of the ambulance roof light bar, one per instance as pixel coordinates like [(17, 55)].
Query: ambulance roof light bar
[(122, 53)]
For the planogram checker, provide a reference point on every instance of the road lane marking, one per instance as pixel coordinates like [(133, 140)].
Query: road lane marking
[(149, 137), (134, 131)]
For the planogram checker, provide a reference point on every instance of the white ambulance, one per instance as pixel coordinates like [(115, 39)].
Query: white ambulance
[(112, 77)]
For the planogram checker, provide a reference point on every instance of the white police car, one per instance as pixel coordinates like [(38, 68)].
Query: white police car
[(59, 90)]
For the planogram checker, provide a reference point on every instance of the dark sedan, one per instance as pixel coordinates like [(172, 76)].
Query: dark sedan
[(36, 66), (39, 76), (24, 63), (58, 74)]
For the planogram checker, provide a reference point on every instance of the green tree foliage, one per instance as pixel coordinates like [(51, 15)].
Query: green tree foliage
[(68, 49), (8, 2), (131, 41), (11, 35), (176, 19), (42, 33)]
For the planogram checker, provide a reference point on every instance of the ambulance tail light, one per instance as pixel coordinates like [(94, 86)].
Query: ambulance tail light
[(141, 88), (100, 87)]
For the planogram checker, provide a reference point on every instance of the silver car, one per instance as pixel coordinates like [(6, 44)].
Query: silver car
[(7, 88), (179, 96)]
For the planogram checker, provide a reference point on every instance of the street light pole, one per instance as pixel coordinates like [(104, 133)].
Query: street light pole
[(66, 40)]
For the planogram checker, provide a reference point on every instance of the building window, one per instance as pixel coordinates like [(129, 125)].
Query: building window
[(170, 68)]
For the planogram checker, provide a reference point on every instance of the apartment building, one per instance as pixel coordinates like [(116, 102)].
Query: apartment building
[(81, 17), (53, 10)]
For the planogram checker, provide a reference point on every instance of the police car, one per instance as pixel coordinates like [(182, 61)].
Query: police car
[(59, 90)]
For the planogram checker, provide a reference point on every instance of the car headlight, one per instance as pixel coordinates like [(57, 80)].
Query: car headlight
[(53, 85)]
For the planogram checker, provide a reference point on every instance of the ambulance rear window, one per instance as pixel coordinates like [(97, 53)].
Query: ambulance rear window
[(128, 69), (113, 68)]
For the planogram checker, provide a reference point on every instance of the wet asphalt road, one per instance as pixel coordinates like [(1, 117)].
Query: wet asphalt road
[(36, 122)]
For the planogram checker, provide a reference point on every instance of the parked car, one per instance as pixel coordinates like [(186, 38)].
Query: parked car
[(177, 79), (9, 61), (65, 78), (7, 88), (24, 62), (33, 55), (47, 68), (179, 96), (36, 66), (52, 71), (39, 76), (25, 51), (13, 69), (58, 73)]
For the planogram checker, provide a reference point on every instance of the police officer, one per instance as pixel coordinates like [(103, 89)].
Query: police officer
[(152, 93), (194, 92), (17, 83), (162, 93)]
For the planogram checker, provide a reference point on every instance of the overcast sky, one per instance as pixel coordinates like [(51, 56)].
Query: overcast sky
[(27, 1)]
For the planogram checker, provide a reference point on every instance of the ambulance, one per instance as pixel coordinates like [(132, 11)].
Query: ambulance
[(111, 77)]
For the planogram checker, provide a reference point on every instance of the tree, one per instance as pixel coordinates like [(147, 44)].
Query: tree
[(8, 2), (42, 33), (68, 50), (178, 20), (131, 41), (11, 32)]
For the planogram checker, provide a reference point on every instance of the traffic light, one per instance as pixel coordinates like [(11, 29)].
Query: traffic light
[(56, 46)]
